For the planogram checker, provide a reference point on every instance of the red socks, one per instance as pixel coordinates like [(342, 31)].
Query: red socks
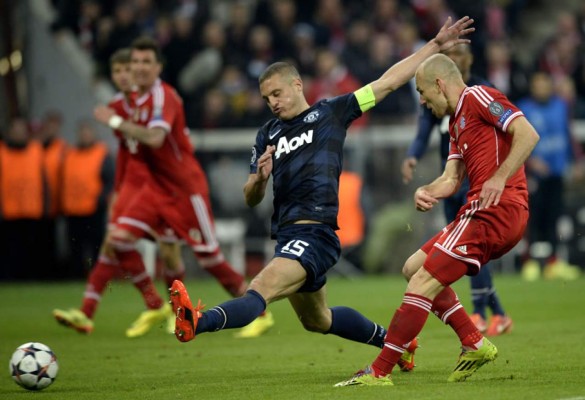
[(406, 324), (101, 274), (233, 282), (448, 309), (131, 262)]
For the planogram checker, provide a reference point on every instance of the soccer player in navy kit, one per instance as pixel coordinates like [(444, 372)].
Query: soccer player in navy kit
[(483, 291), (302, 149)]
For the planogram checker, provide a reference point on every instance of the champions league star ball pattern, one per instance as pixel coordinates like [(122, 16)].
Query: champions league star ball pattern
[(33, 366)]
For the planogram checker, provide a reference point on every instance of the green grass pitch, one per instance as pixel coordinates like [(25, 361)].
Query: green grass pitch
[(543, 358)]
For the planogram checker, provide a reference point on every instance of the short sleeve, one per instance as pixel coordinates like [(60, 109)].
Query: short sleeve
[(164, 111), (494, 107), (345, 108), (454, 153)]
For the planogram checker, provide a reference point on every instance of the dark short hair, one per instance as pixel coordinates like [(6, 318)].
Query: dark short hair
[(147, 43), (279, 68), (121, 56)]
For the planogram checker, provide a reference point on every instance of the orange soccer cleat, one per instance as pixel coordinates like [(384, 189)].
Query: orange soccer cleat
[(186, 316)]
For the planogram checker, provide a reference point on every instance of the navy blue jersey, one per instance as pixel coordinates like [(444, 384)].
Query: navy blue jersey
[(427, 121), (308, 160)]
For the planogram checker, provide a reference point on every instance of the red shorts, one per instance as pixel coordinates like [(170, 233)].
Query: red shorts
[(473, 238), (185, 216), (125, 196)]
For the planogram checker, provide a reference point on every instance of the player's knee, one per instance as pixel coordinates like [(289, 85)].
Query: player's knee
[(424, 284), (411, 266)]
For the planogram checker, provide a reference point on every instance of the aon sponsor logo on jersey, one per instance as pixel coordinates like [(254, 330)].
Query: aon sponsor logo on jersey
[(286, 146)]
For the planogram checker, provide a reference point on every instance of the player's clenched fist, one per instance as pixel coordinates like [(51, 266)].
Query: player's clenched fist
[(423, 200), (265, 163)]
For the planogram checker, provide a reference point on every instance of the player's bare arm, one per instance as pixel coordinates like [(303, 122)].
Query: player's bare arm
[(403, 71), (255, 187), (444, 186), (523, 142), (152, 137)]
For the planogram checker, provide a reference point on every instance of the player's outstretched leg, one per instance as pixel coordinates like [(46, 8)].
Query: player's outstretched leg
[(471, 360), (256, 328)]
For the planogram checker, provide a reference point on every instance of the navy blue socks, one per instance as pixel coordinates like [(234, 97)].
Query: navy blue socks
[(234, 313), (350, 324)]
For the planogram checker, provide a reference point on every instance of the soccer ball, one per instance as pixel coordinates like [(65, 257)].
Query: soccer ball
[(33, 366)]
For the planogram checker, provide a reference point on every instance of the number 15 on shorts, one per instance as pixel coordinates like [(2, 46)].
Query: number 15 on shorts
[(296, 247)]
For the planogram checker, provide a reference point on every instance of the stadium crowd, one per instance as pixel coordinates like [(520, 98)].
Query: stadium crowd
[(214, 51)]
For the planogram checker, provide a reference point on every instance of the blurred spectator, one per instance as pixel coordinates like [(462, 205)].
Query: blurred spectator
[(115, 33), (145, 12), (234, 85), (22, 190), (281, 22), (88, 180), (504, 71), (305, 51), (261, 51), (55, 149), (205, 66), (180, 48), (431, 15), (215, 112), (256, 112), (333, 79), (388, 17), (357, 49), (81, 18), (237, 32), (330, 25), (399, 104), (547, 166), (560, 56)]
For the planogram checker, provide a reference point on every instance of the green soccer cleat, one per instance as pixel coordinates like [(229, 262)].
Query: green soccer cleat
[(149, 319), (257, 327), (366, 377), (471, 361), (74, 318)]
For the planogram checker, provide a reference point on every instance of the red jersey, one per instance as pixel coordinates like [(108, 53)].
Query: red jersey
[(172, 166), (130, 167), (479, 138)]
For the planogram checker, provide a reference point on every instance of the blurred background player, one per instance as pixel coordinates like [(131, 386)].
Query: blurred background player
[(129, 262), (483, 291), (547, 168), (131, 173)]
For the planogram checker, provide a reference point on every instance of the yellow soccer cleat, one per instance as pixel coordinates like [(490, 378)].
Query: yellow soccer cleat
[(471, 361), (257, 327), (148, 319), (366, 377), (74, 318)]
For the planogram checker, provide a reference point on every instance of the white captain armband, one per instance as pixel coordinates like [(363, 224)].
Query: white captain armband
[(115, 121), (365, 97)]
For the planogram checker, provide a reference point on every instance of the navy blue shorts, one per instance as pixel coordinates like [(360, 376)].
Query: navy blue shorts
[(315, 246)]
